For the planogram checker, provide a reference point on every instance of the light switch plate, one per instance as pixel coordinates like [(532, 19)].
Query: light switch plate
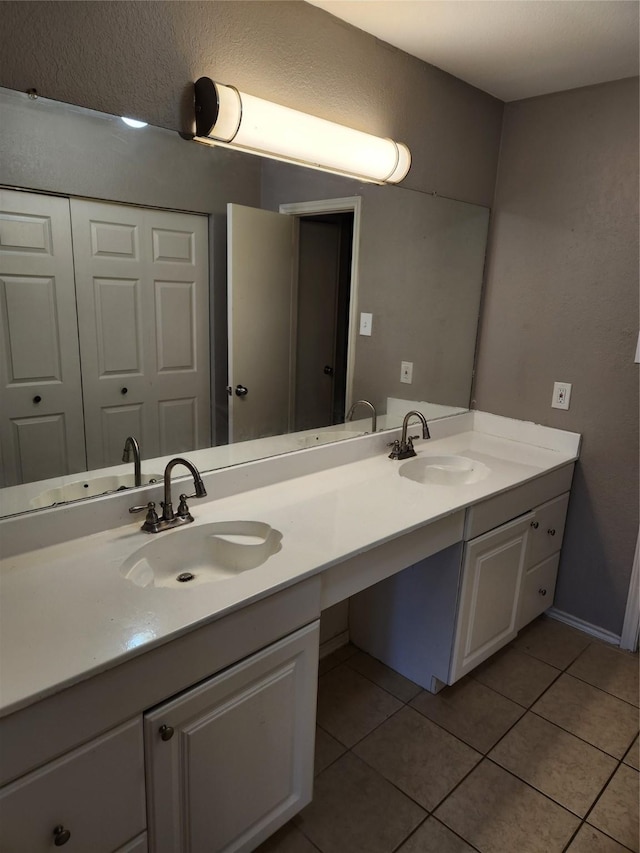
[(406, 372), (366, 323), (561, 395)]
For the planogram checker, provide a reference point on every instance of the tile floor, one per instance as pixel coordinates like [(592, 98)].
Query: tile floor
[(535, 752)]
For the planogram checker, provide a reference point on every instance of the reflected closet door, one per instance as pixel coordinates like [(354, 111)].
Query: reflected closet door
[(41, 430), (143, 315)]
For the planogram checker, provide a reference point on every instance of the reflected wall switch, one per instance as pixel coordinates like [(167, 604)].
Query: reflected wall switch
[(406, 372), (366, 322), (561, 395)]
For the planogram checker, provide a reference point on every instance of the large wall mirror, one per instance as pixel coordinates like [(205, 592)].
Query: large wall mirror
[(142, 295)]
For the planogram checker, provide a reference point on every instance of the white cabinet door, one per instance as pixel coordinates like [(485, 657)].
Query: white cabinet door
[(237, 761), (491, 579), (143, 316), (41, 430)]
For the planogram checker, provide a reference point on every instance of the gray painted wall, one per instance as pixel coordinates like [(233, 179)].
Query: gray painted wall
[(561, 303), (141, 58)]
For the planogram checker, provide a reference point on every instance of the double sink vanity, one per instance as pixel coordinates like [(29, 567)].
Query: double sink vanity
[(158, 691)]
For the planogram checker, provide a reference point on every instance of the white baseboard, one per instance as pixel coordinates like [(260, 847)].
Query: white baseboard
[(334, 643), (585, 627)]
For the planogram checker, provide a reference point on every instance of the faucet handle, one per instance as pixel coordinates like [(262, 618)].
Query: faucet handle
[(149, 507), (183, 509)]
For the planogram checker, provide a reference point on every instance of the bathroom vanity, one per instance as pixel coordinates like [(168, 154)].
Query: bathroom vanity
[(140, 713)]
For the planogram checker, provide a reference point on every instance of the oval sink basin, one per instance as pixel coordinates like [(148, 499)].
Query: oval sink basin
[(444, 470), (90, 488), (195, 555)]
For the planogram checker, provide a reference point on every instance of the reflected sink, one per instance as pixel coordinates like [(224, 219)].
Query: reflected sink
[(195, 555), (90, 488), (444, 470)]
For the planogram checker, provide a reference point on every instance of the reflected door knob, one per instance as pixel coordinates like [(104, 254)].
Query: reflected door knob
[(328, 370), (60, 836), (241, 391)]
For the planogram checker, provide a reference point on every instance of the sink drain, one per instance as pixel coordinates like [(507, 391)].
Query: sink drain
[(185, 576)]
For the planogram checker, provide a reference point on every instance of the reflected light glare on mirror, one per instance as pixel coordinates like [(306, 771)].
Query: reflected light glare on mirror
[(133, 122)]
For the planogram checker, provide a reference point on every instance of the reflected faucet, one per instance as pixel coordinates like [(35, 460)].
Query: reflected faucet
[(374, 416), (170, 519), (131, 444), (403, 448)]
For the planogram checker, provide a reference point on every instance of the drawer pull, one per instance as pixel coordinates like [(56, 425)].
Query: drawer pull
[(166, 732), (535, 524), (542, 591), (60, 836), (551, 531)]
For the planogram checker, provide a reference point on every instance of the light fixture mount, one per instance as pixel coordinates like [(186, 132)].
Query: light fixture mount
[(225, 116)]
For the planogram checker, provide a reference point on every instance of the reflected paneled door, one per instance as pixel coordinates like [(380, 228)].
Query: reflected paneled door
[(41, 431), (143, 316), (259, 304)]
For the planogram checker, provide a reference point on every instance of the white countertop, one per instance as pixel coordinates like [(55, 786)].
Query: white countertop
[(67, 613)]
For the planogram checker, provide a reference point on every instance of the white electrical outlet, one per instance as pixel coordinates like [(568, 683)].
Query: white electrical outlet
[(366, 323), (406, 372), (561, 395)]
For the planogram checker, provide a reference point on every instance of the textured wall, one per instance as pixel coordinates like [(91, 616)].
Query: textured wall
[(140, 59), (561, 303)]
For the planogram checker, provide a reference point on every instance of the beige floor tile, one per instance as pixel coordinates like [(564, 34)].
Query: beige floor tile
[(355, 810), (616, 812), (552, 642), (434, 837), (519, 677), (350, 706), (609, 669), (384, 677), (497, 813), (555, 762), (591, 840), (335, 658), (471, 711), (418, 757), (328, 749), (287, 840), (632, 758), (593, 715)]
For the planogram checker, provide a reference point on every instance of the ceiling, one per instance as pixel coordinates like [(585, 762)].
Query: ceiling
[(512, 49)]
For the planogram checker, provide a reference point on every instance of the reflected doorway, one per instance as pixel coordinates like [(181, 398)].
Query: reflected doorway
[(292, 280)]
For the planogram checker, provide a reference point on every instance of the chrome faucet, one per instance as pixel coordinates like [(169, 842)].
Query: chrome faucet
[(403, 448), (152, 523), (374, 416), (130, 445)]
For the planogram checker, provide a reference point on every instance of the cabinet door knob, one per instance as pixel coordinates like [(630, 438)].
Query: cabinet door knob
[(60, 836), (551, 531), (37, 399), (542, 591), (535, 524), (166, 732), (124, 391)]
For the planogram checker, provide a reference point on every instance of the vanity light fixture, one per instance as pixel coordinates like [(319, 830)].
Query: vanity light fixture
[(227, 117)]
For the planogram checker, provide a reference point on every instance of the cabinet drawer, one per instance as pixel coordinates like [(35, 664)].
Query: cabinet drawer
[(547, 530), (538, 589), (514, 502), (96, 793)]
